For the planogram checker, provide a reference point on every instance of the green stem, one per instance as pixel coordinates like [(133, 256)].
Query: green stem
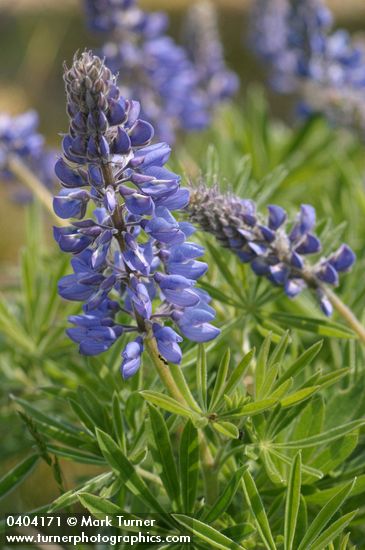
[(30, 180), (209, 467), (346, 314)]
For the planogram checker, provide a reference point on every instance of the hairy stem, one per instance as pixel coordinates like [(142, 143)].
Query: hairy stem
[(30, 180), (209, 470), (346, 314)]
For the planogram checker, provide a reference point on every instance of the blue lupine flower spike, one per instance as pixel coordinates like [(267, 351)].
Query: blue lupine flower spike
[(272, 250), (133, 268)]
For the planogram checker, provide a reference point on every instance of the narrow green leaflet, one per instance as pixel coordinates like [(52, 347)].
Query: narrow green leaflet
[(322, 438), (332, 532), (97, 506), (206, 533), (13, 478), (178, 375), (226, 428), (292, 502), (261, 365), (223, 268), (220, 380), (258, 511), (237, 374), (324, 516), (201, 377), (120, 463), (189, 466), (70, 497), (225, 499), (164, 454), (167, 403), (302, 361), (118, 422), (317, 326), (298, 396)]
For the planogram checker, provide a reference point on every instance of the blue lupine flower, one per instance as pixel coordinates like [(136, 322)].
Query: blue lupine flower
[(271, 249), (175, 93), (133, 251), (19, 138), (297, 40)]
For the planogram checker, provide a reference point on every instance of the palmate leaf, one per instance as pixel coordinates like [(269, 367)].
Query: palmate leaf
[(206, 533), (20, 472), (189, 466), (292, 502), (258, 511), (163, 453)]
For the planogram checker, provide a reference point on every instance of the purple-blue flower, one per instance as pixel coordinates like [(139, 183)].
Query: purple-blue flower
[(273, 248), (131, 256)]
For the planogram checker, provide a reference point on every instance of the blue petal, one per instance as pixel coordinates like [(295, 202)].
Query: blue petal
[(343, 259), (67, 175), (277, 216)]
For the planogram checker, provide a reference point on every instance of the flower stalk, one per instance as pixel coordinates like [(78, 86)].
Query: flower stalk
[(206, 457)]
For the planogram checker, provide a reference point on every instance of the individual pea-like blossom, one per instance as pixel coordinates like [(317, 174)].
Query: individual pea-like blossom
[(325, 66), (205, 49), (133, 267), (21, 140), (274, 249)]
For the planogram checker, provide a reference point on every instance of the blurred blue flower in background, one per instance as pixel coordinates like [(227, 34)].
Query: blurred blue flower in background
[(173, 89), (306, 55), (20, 139)]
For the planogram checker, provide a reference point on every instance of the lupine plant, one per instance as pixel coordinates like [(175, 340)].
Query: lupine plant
[(167, 355)]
